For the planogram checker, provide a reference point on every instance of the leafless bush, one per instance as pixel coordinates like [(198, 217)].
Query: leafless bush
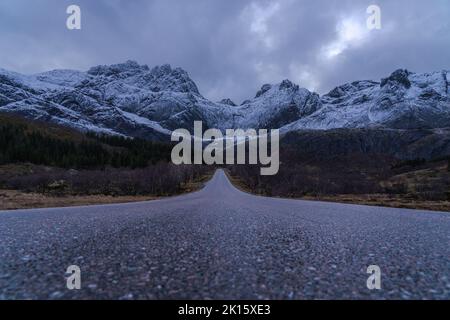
[(160, 179)]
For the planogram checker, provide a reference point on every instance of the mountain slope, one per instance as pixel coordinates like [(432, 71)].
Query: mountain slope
[(134, 100), (404, 100)]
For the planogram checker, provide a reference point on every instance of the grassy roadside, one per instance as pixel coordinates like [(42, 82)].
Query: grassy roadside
[(238, 182), (16, 199), (197, 184), (380, 200)]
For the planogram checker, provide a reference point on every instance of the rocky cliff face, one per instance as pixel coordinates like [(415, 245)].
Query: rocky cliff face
[(403, 100), (134, 100)]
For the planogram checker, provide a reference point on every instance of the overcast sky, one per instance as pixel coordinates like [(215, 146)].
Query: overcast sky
[(231, 47)]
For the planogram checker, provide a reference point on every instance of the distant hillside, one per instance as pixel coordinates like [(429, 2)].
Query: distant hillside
[(429, 144), (36, 142)]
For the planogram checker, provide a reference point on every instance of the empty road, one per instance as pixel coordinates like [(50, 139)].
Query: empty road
[(221, 243)]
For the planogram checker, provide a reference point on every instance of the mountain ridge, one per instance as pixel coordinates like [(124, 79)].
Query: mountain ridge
[(134, 100)]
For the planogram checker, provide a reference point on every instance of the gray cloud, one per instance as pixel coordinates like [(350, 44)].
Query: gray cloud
[(231, 48)]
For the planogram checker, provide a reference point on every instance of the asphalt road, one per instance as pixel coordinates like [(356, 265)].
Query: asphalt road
[(221, 243)]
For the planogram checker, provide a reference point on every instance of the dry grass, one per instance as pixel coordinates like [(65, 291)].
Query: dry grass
[(381, 200), (196, 185), (238, 182), (13, 199)]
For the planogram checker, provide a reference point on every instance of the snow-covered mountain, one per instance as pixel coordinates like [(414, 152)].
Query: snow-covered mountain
[(134, 100), (404, 100)]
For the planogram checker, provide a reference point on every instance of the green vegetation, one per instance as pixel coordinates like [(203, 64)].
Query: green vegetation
[(28, 142), (51, 160)]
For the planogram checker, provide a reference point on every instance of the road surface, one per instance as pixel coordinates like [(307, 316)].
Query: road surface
[(221, 243)]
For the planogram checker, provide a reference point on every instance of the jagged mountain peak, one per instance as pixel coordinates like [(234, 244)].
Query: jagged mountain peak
[(350, 88), (403, 100), (158, 79), (132, 99), (286, 85), (129, 68), (166, 69), (398, 77), (228, 102), (265, 87), (165, 77)]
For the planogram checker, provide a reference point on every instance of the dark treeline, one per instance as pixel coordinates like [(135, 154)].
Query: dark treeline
[(20, 143), (306, 175), (53, 160), (135, 153), (162, 179)]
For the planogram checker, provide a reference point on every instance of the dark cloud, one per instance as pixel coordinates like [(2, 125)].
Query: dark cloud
[(231, 48)]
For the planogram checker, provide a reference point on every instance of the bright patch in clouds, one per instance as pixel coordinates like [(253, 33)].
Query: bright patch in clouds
[(350, 33)]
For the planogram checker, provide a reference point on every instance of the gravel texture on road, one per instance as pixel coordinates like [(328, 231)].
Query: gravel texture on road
[(221, 243)]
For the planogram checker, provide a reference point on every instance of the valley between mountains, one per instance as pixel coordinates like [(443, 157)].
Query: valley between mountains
[(362, 142)]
